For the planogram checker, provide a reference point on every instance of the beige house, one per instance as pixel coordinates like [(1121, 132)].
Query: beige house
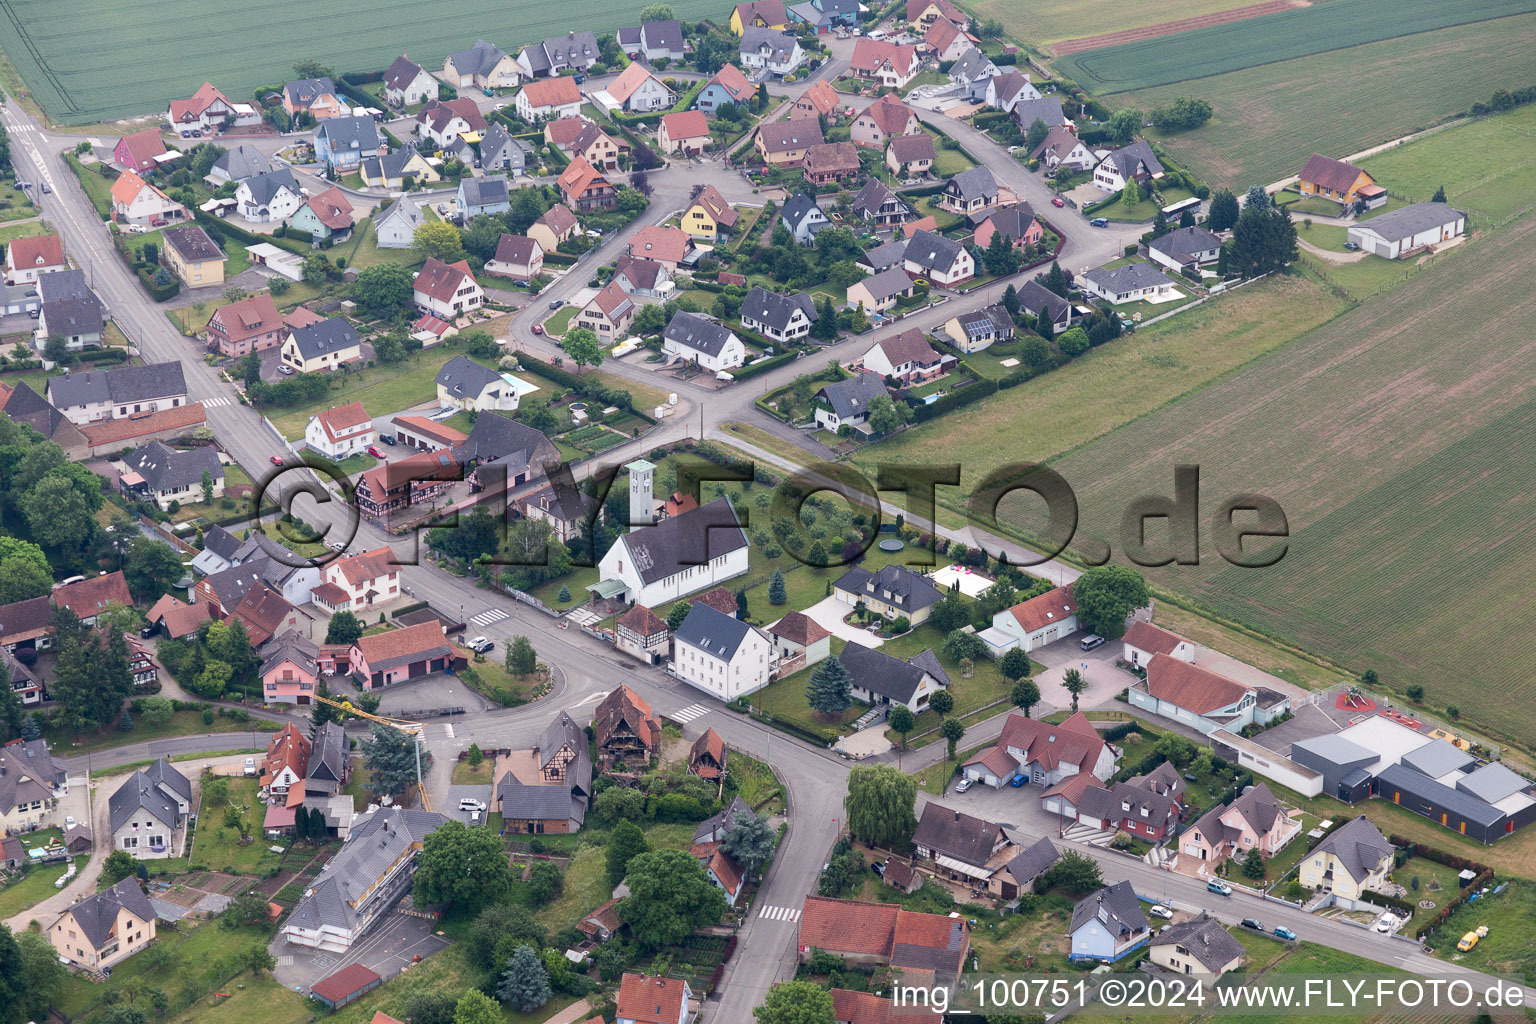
[(1200, 948), (1353, 858), (194, 257), (607, 314), (106, 928), (554, 226)]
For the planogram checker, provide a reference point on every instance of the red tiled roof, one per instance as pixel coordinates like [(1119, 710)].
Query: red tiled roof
[(127, 428), (421, 467), (941, 33), (201, 100), (301, 316), (632, 77), (821, 96), (144, 146), (1050, 607), (332, 208), (249, 317), (651, 1000), (720, 599), (443, 435), (1073, 787), (832, 157), (578, 177), (1190, 686), (710, 743), (562, 131), (612, 301), (127, 185), (686, 124), (1328, 173), (36, 251), (370, 565), (558, 218), (440, 112), (867, 1008), (439, 280), (869, 54), (725, 870), (642, 621), (348, 981), (799, 628), (848, 926), (90, 596), (928, 223), (655, 242), (552, 92), (723, 212), (1074, 741), (179, 618), (400, 643), (679, 502), (343, 419), (263, 610), (890, 115), (734, 83), (289, 748), (1153, 639)]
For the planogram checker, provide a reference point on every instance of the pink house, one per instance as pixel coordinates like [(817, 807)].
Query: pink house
[(401, 654), (1254, 821), (359, 582), (293, 666), (1016, 222)]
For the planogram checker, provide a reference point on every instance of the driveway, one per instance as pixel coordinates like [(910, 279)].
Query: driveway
[(434, 691), (828, 614), (1097, 666), (386, 950)]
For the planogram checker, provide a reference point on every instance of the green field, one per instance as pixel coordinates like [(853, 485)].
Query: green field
[(1269, 119), (128, 59), (1388, 437), (1471, 162), (1049, 21), (1284, 35)]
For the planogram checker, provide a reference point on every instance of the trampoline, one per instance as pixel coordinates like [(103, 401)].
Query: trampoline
[(891, 545)]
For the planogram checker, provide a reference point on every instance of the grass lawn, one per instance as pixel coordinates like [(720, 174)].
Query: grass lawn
[(1508, 947), (464, 774), (934, 778), (217, 846), (97, 187), (363, 251), (985, 685), (26, 229), (557, 325), (586, 889), (1308, 206), (182, 723), (381, 389), (34, 887), (1364, 277), (948, 161), (357, 787), (1002, 946), (759, 438), (755, 782), (1429, 874), (251, 1000)]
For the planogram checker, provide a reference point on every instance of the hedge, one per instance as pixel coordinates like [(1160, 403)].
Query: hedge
[(159, 294), (231, 231), (1120, 731), (973, 392), (771, 363), (588, 387), (1381, 899), (103, 355), (362, 77)]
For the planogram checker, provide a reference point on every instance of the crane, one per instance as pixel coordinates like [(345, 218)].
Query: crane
[(411, 729)]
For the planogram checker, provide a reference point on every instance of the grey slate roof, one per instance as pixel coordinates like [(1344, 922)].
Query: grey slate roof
[(888, 282), (933, 252), (401, 208), (69, 306), (376, 842), (1032, 861), (350, 133), (1437, 758), (264, 187), (1493, 782), (915, 591), (1457, 801), (30, 774), (850, 398), (325, 337), (484, 191), (305, 91), (1182, 242), (975, 183), (1127, 159), (774, 309), (1337, 749), (1359, 846), (778, 43), (874, 195), (715, 633), (221, 542), (887, 256), (291, 646), (231, 584), (479, 59), (96, 914), (1130, 277), (699, 333), (797, 207), (390, 165), (27, 407), (1120, 905), (328, 753), (1046, 108), (555, 801), (242, 162), (956, 834), (880, 673), (401, 73), (139, 793), (986, 323), (1259, 808), (1013, 221), (166, 469), (712, 828), (507, 442), (973, 64), (1205, 939), (1397, 225), (663, 35), (576, 49), (161, 773), (685, 541), (495, 139), (465, 378), (119, 385)]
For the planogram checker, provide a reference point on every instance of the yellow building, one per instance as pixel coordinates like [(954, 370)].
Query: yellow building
[(106, 928), (759, 14), (194, 257), (709, 215), (1353, 858), (392, 170)]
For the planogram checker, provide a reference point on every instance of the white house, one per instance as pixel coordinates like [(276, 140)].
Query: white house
[(636, 90), (546, 99), (1136, 161), (1043, 753), (1005, 91), (269, 198), (395, 228), (1409, 229), (1127, 283), (167, 476), (447, 290), (692, 337), (144, 818), (27, 259), (91, 396), (1201, 699), (720, 654), (907, 356), (360, 583), (943, 261), (1142, 641), (136, 201), (971, 73), (883, 680), (1062, 148), (778, 317), (1185, 247), (466, 385), (1040, 620), (764, 49), (846, 402), (340, 432), (407, 84), (681, 555), (803, 217)]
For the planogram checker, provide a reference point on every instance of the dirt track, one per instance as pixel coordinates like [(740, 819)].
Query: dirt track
[(1168, 28)]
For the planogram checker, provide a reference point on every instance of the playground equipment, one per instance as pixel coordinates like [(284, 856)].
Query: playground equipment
[(1353, 698)]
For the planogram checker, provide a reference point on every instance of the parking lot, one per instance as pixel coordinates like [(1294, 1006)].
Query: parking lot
[(387, 950), (457, 794)]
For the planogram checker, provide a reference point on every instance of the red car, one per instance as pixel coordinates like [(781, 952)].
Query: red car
[(375, 451), (538, 328), (277, 460), (1057, 201)]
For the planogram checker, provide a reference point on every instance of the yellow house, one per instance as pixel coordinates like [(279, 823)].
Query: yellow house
[(106, 928), (194, 257), (324, 345), (1353, 858), (759, 14), (393, 169), (709, 215), (1332, 179)]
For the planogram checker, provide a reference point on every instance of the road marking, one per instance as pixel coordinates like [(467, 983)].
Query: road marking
[(449, 728), (689, 713), (780, 913), (486, 618), (216, 401)]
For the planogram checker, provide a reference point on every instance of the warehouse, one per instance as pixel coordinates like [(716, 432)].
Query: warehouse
[(1344, 766), (1401, 232), (1486, 805)]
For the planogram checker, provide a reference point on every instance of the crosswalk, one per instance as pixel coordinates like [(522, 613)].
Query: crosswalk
[(779, 913), (689, 713), (216, 401), (488, 617)]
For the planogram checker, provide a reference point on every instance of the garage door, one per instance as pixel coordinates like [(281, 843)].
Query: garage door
[(418, 668), (1049, 635)]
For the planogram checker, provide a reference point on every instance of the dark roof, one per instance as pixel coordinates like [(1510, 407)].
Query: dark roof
[(121, 384), (1013, 221), (484, 191), (798, 133), (1434, 759), (1205, 939), (955, 834), (1396, 225), (166, 469), (221, 542), (139, 792), (401, 73), (25, 616), (479, 59), (243, 161), (931, 251), (192, 243), (350, 133), (1034, 296), (780, 45), (325, 337), (887, 256), (161, 773), (328, 754), (711, 631), (1128, 277), (973, 64), (888, 282), (882, 674), (797, 207), (1329, 173), (304, 92), (1396, 778), (699, 333), (850, 398), (1032, 861), (263, 187), (1186, 241), (909, 591), (683, 542), (563, 502), (499, 439), (667, 34), (465, 378), (69, 306), (1127, 159), (1359, 846), (975, 183), (986, 322), (97, 914), (906, 148), (495, 139), (1120, 905), (774, 309), (1046, 109), (876, 194)]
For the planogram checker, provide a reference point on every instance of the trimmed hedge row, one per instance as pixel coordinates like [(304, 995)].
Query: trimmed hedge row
[(771, 363), (156, 292), (957, 399)]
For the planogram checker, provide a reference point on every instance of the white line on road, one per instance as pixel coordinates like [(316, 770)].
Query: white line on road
[(689, 713), (449, 728)]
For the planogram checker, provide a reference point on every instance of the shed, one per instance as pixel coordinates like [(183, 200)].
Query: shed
[(350, 983)]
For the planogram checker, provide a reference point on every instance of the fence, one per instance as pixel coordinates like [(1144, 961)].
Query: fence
[(528, 599)]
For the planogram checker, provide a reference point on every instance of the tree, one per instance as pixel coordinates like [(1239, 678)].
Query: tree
[(831, 688), (522, 656), (498, 930), (316, 268), (1106, 595), (481, 236), (1453, 711), (524, 984), (344, 628), (1178, 750), (1025, 695), (625, 843), (669, 898), (942, 702), (583, 346), (383, 289), (817, 558), (1056, 280), (438, 238), (778, 594), (1159, 224), (1223, 210), (886, 416), (795, 1002), (748, 841), (57, 515), (429, 1008), (117, 866), (1074, 683), (24, 571), (1439, 196), (951, 613), (1186, 217), (959, 643), (879, 804), (1036, 134), (151, 567), (676, 616), (951, 729), (125, 721), (545, 882), (1256, 198), (475, 1007), (1263, 240), (1415, 693), (1123, 125), (391, 757), (1014, 665), (212, 682), (30, 975), (902, 721), (1253, 865), (461, 865), (309, 67), (1074, 873), (1181, 115), (650, 320)]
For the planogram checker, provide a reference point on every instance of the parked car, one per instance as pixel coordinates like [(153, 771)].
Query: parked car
[(1058, 201), (250, 764), (962, 785), (47, 188), (1158, 910), (480, 645), (388, 439), (1222, 887), (475, 817), (286, 371), (1099, 222), (1285, 933), (1254, 923), (556, 303), (1091, 641), (1386, 924), (1468, 941), (375, 451), (69, 821), (1018, 780), (469, 803), (878, 867), (537, 328), (1351, 246)]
